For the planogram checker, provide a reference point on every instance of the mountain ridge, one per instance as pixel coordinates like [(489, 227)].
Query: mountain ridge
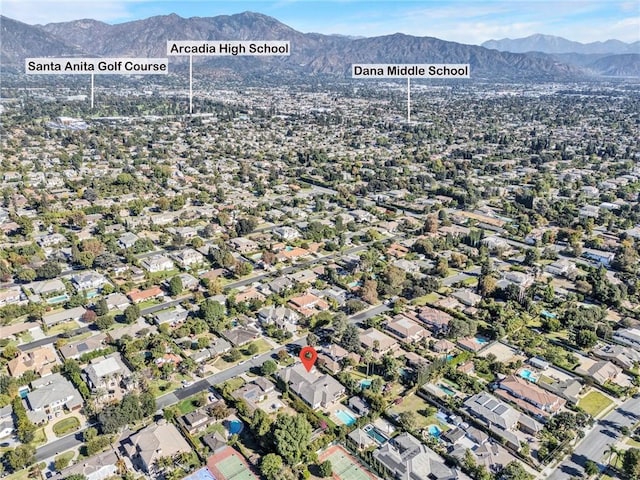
[(552, 44), (311, 53)]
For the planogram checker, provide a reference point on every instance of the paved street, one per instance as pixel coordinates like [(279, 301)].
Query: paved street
[(71, 441), (594, 445), (54, 338)]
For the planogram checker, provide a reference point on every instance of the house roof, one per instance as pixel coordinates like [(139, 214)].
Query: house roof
[(492, 410), (56, 389)]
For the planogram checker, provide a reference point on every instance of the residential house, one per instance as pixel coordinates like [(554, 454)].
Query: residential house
[(282, 317), (467, 297), (97, 467), (286, 233), (127, 240), (492, 411), (280, 285), (75, 350), (107, 372), (250, 294), (138, 296), (195, 422), (529, 396), (6, 421), (117, 301), (46, 287), (599, 256), (40, 360), (628, 336), (361, 439), (243, 245), (308, 305), (156, 263), (172, 316), (72, 314), (624, 357), (603, 371), (378, 342), (436, 320), (304, 276), (51, 240), (254, 392), (241, 335), (568, 389), (11, 296), (331, 356), (157, 440), (88, 281), (407, 458), (358, 405), (50, 395), (317, 390), (189, 282), (406, 329), (188, 257)]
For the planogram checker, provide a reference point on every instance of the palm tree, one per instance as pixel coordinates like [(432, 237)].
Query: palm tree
[(611, 450)]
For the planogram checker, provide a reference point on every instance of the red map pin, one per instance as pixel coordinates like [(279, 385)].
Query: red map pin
[(308, 356)]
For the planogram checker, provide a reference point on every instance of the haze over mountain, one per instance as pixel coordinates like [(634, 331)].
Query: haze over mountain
[(553, 44), (311, 53)]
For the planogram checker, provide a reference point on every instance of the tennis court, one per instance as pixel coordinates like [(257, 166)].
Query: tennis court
[(228, 465), (345, 467)]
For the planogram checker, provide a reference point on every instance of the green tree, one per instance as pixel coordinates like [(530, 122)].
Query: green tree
[(253, 349), (101, 307), (175, 286), (48, 270), (591, 468), (268, 368), (291, 436), (21, 457), (514, 471), (631, 463), (325, 469), (271, 466), (408, 420), (131, 313)]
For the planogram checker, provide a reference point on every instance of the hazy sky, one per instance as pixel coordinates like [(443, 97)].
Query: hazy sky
[(466, 21)]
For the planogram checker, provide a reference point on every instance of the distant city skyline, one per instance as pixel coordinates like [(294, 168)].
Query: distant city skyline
[(463, 21)]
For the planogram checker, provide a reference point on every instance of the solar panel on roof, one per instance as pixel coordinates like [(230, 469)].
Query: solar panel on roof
[(83, 347)]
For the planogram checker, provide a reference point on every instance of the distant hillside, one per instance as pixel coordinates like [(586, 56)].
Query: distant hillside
[(20, 40), (553, 44), (311, 54)]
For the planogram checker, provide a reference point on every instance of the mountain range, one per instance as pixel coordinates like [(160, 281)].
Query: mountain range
[(552, 44), (311, 53)]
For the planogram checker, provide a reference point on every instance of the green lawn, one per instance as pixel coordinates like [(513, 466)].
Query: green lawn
[(426, 299), (413, 403), (594, 403), (469, 282), (66, 426), (187, 405), (160, 387), (61, 328), (39, 438), (67, 455)]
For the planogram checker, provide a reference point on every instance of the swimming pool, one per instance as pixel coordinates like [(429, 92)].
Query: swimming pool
[(235, 427), (480, 340), (374, 433), (446, 390), (434, 430), (58, 299), (366, 383), (345, 417), (528, 375)]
